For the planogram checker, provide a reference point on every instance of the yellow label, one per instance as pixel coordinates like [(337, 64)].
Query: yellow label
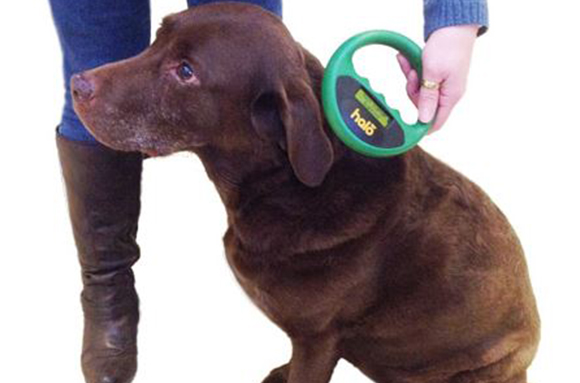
[(372, 107)]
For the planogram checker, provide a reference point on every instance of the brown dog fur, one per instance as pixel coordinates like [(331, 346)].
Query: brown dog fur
[(399, 265)]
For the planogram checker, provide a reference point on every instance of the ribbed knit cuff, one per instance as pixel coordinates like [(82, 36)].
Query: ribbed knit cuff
[(445, 13)]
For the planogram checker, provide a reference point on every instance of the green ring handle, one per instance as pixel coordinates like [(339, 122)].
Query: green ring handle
[(340, 66)]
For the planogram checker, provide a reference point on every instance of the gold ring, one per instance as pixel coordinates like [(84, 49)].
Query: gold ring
[(431, 85)]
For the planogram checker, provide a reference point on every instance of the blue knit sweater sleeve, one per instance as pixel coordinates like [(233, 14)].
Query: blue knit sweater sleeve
[(444, 13)]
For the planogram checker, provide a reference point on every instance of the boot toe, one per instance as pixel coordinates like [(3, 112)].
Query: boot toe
[(111, 370)]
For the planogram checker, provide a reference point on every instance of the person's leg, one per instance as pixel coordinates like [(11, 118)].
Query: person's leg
[(103, 187), (274, 6), (93, 33)]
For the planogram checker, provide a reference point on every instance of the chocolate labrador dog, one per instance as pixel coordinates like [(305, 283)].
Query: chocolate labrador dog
[(401, 265)]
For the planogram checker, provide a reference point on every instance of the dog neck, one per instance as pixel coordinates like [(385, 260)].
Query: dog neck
[(270, 210)]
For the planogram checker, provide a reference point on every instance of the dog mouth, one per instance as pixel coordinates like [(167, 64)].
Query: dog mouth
[(109, 132), (130, 133), (151, 152)]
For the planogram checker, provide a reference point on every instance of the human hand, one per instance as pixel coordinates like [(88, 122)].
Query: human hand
[(446, 61)]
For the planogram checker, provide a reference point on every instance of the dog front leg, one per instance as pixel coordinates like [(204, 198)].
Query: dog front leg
[(313, 360)]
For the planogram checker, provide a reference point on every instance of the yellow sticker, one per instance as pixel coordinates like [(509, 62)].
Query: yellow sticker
[(372, 107)]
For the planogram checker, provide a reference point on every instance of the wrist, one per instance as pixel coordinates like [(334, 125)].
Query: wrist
[(456, 33)]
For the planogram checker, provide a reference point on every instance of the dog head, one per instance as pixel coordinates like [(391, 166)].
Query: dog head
[(227, 77)]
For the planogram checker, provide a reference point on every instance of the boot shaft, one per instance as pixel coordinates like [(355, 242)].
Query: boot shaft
[(103, 191)]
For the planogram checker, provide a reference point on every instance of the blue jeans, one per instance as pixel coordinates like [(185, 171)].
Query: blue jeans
[(96, 32)]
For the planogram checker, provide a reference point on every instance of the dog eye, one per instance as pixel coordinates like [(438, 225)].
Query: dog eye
[(185, 71)]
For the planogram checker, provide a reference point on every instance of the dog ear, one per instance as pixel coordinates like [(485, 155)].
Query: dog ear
[(291, 116)]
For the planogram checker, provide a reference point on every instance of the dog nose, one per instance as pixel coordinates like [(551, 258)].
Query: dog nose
[(83, 89)]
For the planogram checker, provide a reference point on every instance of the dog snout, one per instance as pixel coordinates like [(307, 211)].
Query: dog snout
[(83, 87)]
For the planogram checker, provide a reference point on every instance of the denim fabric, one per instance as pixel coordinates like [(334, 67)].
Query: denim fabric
[(95, 32), (274, 6)]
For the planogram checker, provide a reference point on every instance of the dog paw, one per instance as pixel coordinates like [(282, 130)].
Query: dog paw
[(278, 375)]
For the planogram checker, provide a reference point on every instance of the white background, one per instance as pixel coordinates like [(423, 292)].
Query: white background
[(515, 133)]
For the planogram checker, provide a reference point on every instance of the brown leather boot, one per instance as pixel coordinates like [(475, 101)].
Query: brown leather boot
[(103, 189)]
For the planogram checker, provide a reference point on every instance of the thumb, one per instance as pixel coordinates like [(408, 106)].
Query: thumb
[(428, 101)]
